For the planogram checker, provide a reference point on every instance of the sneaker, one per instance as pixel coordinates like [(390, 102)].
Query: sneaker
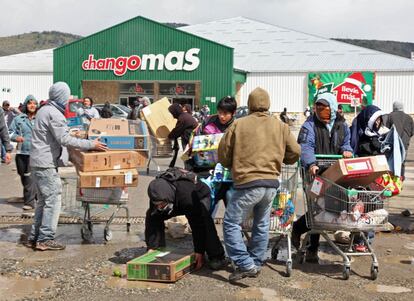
[(239, 274), (217, 263), (312, 256), (27, 207), (49, 245), (295, 239), (361, 248), (30, 244)]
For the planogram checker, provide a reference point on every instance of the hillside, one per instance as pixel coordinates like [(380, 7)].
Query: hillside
[(34, 41), (398, 48)]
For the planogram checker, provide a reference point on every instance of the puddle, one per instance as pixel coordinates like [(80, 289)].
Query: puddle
[(301, 285), (115, 282), (409, 246), (387, 289), (259, 293), (19, 287)]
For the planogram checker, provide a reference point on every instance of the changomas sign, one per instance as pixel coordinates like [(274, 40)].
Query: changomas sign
[(172, 61)]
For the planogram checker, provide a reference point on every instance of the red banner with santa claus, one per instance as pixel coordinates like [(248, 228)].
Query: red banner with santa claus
[(351, 88)]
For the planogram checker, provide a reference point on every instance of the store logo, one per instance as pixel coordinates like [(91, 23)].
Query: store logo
[(173, 61)]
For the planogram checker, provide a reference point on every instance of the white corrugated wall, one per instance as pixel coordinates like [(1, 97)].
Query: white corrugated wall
[(22, 84), (285, 89), (392, 86)]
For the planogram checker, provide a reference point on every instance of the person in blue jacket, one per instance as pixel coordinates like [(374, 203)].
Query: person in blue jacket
[(326, 133), (20, 131)]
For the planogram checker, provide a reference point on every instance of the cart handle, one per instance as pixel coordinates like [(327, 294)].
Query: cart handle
[(328, 156)]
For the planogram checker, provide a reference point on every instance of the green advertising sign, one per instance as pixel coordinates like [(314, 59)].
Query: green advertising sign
[(351, 88)]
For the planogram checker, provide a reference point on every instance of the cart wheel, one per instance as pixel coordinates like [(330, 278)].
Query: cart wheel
[(274, 253), (288, 268), (107, 234), (374, 272), (346, 272), (86, 233), (128, 226)]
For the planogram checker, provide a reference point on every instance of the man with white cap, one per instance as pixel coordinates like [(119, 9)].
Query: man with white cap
[(50, 133)]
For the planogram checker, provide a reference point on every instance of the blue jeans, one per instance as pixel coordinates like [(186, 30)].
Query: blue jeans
[(47, 210), (244, 202)]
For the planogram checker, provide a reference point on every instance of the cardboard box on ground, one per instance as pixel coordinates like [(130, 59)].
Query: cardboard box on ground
[(120, 134), (357, 171), (161, 266)]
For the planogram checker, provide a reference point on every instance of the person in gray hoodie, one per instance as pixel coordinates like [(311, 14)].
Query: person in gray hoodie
[(49, 134), (4, 138), (20, 131)]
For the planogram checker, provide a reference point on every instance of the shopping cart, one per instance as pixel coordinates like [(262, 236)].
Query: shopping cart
[(283, 214), (106, 197), (331, 207)]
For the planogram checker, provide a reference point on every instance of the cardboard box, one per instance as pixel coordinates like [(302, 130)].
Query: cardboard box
[(96, 161), (357, 171), (108, 178), (204, 150), (159, 119), (120, 134), (161, 266)]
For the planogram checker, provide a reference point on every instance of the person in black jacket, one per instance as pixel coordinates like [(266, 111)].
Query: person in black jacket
[(106, 111), (185, 124), (183, 197)]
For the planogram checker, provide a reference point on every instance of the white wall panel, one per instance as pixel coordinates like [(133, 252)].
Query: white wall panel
[(22, 84), (393, 86), (285, 89)]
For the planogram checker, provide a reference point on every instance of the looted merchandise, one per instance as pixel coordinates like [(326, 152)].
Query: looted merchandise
[(109, 178), (96, 161), (357, 171), (204, 150), (120, 134), (161, 266), (159, 119)]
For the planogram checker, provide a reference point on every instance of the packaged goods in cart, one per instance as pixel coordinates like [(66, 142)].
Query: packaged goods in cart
[(204, 149)]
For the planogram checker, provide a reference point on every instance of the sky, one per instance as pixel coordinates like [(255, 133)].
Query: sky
[(358, 19)]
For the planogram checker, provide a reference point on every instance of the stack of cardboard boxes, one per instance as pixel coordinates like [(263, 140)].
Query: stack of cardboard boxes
[(127, 141)]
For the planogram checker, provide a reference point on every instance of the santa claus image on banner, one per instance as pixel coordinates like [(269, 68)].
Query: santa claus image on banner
[(352, 90)]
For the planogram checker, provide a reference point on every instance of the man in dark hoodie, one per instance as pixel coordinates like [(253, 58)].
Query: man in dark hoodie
[(254, 147), (192, 199), (20, 131), (50, 133), (186, 123)]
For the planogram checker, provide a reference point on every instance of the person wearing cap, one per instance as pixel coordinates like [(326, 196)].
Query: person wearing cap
[(20, 131), (50, 133), (324, 133), (9, 112), (88, 110), (254, 148), (184, 197)]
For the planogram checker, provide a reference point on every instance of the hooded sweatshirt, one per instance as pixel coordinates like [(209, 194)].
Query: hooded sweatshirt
[(4, 136), (50, 130), (22, 126), (255, 146), (185, 124)]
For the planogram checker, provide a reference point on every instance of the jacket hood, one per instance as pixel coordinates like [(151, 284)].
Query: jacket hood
[(397, 106), (59, 93), (259, 100), (161, 190), (175, 110), (367, 117), (26, 101), (330, 100)]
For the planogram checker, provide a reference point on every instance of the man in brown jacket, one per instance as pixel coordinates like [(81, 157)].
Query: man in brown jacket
[(254, 147)]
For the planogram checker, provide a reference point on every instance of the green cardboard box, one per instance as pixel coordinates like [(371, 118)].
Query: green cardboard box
[(161, 266)]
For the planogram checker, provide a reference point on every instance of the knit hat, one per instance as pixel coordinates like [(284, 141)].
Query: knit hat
[(59, 94), (258, 101), (397, 106)]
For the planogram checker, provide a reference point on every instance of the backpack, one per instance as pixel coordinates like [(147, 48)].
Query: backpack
[(175, 174)]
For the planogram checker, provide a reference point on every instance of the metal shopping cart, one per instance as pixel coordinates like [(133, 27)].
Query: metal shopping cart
[(92, 205), (282, 215), (331, 207)]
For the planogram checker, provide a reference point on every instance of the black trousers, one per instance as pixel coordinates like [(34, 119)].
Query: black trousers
[(300, 227), (205, 237), (23, 169)]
